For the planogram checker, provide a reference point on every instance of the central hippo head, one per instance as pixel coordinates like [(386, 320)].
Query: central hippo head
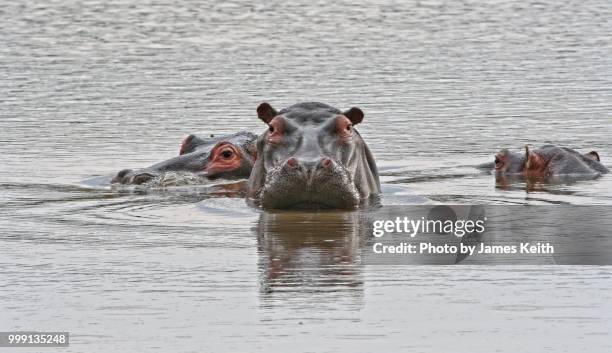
[(311, 156)]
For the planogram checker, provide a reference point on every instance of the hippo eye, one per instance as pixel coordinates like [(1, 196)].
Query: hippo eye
[(227, 154), (348, 127), (271, 128)]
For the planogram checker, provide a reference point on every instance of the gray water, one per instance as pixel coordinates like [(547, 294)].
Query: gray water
[(88, 88)]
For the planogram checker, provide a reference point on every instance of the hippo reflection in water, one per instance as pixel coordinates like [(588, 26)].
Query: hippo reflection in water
[(317, 251), (547, 162), (226, 156), (312, 157)]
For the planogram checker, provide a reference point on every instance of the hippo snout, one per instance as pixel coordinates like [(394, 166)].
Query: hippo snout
[(302, 182)]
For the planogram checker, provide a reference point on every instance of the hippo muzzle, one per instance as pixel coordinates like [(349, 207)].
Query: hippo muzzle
[(308, 184)]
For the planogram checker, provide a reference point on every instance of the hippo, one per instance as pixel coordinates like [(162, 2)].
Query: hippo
[(312, 157), (547, 161), (227, 156)]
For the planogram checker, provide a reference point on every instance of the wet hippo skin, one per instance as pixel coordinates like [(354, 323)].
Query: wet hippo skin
[(547, 161), (226, 156), (311, 156)]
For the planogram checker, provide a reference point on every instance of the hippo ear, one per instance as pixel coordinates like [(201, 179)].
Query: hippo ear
[(265, 112), (190, 143), (533, 161), (593, 155), (354, 114)]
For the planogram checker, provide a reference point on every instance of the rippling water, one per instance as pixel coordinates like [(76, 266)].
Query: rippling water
[(88, 88)]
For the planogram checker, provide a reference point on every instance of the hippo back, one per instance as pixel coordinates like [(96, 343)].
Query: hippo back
[(566, 161)]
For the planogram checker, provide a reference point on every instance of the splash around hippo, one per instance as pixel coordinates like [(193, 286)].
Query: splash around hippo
[(311, 156), (547, 162), (226, 156)]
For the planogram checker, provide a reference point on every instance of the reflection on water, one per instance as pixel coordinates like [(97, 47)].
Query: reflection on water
[(311, 251), (554, 185)]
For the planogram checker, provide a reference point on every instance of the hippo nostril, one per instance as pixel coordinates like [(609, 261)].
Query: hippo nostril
[(326, 162), (292, 162)]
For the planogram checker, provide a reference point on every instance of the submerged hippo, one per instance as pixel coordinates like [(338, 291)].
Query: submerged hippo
[(312, 157), (226, 156), (547, 161)]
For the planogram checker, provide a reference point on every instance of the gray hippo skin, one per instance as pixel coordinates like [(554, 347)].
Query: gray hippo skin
[(548, 161), (226, 156), (312, 157)]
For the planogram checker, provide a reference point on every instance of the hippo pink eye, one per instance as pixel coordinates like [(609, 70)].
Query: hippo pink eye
[(271, 128), (348, 128), (227, 154)]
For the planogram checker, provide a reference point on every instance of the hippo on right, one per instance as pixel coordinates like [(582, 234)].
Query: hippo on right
[(547, 162)]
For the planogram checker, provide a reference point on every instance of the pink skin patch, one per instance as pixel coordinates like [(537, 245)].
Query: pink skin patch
[(535, 166), (292, 162), (224, 157), (326, 162), (276, 130), (344, 129), (500, 162)]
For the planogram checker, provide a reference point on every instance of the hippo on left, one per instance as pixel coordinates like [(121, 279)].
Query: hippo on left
[(225, 156)]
